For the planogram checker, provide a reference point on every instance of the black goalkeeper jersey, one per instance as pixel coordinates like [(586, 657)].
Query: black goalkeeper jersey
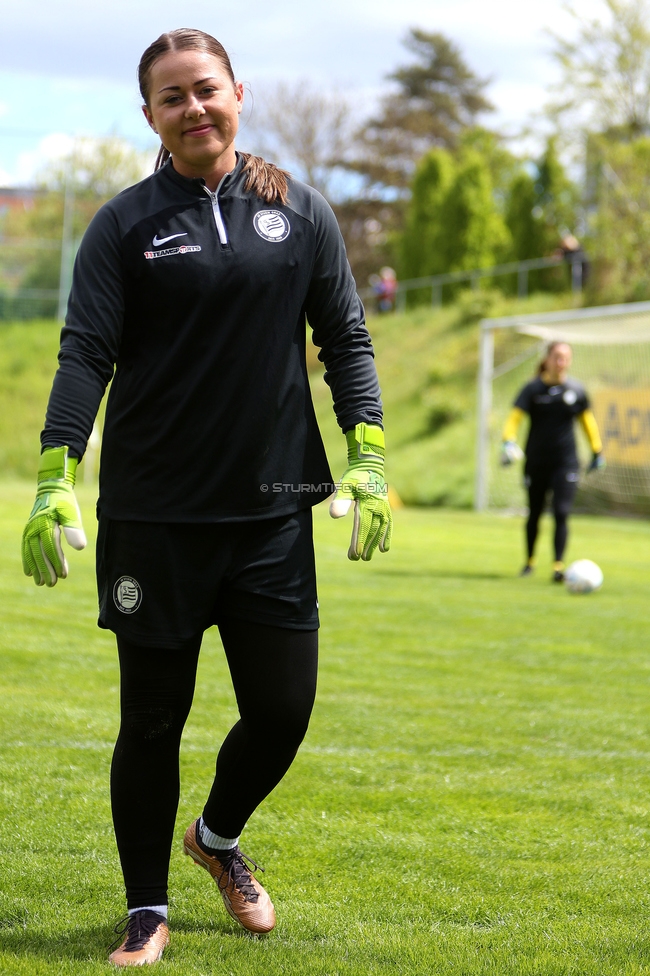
[(197, 302), (552, 409)]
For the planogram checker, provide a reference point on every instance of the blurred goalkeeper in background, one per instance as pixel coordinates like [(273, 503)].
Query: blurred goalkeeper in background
[(552, 400)]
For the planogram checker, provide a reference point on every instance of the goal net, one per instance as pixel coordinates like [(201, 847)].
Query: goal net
[(611, 357)]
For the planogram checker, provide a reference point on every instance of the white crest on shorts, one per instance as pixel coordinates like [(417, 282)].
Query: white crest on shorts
[(272, 225), (570, 397), (127, 594)]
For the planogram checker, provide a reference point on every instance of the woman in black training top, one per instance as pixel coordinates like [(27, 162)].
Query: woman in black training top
[(553, 401), (194, 287)]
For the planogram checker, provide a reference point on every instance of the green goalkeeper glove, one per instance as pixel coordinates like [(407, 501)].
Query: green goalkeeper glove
[(510, 452), (597, 463), (363, 483), (55, 508)]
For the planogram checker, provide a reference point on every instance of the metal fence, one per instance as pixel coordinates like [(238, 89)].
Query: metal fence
[(17, 302), (521, 269), (16, 255)]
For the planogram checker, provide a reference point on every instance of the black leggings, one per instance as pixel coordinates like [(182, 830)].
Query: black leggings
[(563, 483), (273, 671)]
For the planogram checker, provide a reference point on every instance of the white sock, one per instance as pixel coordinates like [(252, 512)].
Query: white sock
[(214, 840), (161, 909)]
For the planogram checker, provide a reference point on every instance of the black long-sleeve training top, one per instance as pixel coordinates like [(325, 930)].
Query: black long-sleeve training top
[(552, 409), (197, 302)]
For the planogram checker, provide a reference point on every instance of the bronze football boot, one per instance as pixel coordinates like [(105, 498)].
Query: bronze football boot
[(146, 935), (244, 897)]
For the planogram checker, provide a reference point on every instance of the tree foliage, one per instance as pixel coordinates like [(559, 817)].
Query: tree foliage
[(541, 206), (422, 250), (92, 172), (475, 234), (437, 98), (502, 164), (96, 168), (452, 222), (619, 237), (370, 230), (605, 81), (480, 206), (524, 219), (604, 106)]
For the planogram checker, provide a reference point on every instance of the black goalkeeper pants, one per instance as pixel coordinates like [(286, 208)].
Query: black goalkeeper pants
[(273, 671), (562, 482)]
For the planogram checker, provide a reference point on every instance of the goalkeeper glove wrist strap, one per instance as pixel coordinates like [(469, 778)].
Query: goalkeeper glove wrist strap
[(366, 446), (56, 465)]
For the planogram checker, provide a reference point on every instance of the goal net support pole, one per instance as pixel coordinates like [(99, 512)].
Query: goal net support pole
[(484, 410)]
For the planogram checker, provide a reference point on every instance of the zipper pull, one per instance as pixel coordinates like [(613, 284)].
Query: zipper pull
[(216, 213)]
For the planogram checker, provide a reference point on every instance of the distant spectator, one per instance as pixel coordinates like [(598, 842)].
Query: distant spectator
[(385, 287), (572, 251)]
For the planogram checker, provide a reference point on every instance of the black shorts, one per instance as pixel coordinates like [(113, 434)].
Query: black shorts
[(161, 583), (562, 481)]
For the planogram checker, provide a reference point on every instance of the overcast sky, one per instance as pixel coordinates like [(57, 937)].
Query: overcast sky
[(68, 66)]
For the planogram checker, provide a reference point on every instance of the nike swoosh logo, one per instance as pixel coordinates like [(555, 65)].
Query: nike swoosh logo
[(158, 241)]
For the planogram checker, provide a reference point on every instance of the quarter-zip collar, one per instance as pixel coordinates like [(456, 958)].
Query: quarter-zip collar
[(197, 185), (216, 210)]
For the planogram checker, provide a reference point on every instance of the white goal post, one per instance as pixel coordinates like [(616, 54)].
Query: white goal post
[(611, 356)]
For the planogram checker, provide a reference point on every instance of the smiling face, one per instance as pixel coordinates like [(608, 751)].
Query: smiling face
[(558, 362), (194, 106)]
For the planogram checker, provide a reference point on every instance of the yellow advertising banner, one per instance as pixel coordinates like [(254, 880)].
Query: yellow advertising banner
[(623, 418)]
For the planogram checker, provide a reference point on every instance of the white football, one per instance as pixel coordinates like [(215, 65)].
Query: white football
[(583, 576)]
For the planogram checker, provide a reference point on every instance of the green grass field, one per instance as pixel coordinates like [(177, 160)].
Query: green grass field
[(473, 796)]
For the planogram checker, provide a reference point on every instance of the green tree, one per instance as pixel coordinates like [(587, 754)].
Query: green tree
[(453, 222), (94, 170), (421, 251), (503, 166), (474, 232), (605, 81), (524, 220), (541, 207), (540, 210), (605, 108), (557, 195), (97, 168), (437, 98), (619, 240)]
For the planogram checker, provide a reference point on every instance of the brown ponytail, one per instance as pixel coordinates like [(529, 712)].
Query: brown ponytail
[(268, 182), (161, 158)]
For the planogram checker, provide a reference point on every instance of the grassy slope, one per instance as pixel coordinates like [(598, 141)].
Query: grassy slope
[(472, 796), (427, 363), (27, 365)]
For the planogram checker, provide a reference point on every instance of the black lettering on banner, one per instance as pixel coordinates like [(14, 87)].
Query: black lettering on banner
[(633, 426), (612, 424)]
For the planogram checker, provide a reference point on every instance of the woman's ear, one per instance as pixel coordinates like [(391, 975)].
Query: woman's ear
[(149, 117)]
